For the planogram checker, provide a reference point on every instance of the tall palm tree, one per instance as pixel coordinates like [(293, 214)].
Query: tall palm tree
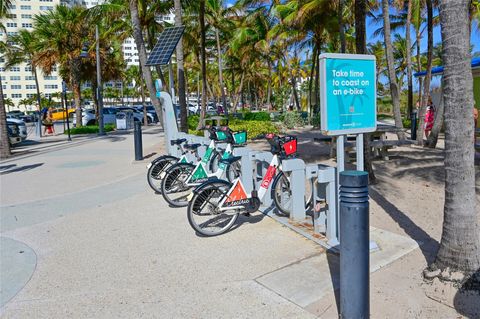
[(201, 17), (409, 58), (142, 54), (394, 89), (181, 71), (460, 244), (361, 48), (60, 36), (428, 76), (5, 6), (23, 51)]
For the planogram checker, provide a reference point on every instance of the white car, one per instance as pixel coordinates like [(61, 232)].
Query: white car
[(22, 128), (137, 115), (88, 116)]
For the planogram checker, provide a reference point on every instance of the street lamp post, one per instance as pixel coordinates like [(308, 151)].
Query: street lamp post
[(65, 105), (99, 92)]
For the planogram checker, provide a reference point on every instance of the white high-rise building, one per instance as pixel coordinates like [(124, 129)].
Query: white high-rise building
[(19, 82)]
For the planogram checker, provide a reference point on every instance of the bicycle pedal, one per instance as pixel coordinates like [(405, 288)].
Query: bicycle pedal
[(246, 214)]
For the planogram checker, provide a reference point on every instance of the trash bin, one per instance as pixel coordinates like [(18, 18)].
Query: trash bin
[(124, 120)]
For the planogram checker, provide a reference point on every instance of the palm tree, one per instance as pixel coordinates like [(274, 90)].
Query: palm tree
[(409, 58), (428, 76), (181, 71), (5, 6), (142, 54), (23, 51), (60, 35), (394, 89), (460, 244), (201, 18)]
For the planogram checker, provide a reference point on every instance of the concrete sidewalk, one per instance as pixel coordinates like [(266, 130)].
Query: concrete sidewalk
[(90, 239)]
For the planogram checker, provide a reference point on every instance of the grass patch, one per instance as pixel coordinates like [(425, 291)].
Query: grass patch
[(90, 129)]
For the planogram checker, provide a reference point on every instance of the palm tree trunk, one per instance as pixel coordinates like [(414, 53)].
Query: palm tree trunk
[(394, 91), (428, 77), (204, 66), (295, 93), (239, 92), (409, 58), (419, 67), (142, 54), (310, 83), (361, 48), (75, 80), (343, 43), (220, 72), (460, 243), (437, 125), (269, 85), (4, 141), (181, 71)]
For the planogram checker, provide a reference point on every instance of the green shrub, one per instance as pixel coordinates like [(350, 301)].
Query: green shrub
[(91, 129), (192, 122), (407, 123), (253, 128), (257, 116), (316, 120), (293, 120)]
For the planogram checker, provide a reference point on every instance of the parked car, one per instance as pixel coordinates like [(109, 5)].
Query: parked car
[(17, 114), (137, 115), (22, 128), (59, 114), (150, 110), (13, 133), (89, 118)]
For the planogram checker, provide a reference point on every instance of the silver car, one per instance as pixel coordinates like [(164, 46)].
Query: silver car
[(22, 128)]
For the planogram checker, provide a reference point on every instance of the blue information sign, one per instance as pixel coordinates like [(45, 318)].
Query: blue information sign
[(347, 93)]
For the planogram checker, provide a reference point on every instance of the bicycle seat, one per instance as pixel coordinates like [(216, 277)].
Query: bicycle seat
[(192, 146), (178, 141), (230, 160)]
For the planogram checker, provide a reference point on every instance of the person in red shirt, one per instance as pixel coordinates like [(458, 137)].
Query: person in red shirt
[(429, 117)]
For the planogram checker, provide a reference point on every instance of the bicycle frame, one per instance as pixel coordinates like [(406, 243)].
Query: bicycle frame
[(237, 198), (200, 175)]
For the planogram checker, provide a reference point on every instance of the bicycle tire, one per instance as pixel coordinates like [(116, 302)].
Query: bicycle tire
[(280, 185), (234, 171), (159, 165), (174, 189), (204, 199), (214, 160)]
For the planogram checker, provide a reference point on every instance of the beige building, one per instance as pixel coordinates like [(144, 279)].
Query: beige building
[(18, 81)]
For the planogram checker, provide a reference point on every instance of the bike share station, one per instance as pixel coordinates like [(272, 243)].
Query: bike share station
[(340, 209)]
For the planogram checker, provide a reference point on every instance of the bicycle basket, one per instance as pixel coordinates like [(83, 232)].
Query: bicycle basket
[(289, 146), (240, 137), (221, 135)]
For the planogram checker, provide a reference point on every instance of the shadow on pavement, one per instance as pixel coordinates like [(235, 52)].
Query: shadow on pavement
[(334, 267), (427, 244), (467, 299), (5, 167), (21, 168)]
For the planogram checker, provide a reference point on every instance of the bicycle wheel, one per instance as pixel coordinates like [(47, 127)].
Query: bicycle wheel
[(174, 187), (203, 213), (155, 170), (282, 194), (234, 171), (213, 164)]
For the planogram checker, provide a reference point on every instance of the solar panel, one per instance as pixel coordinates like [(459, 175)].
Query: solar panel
[(166, 44)]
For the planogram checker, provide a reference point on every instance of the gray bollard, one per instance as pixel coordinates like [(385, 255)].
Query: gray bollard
[(354, 245), (137, 136)]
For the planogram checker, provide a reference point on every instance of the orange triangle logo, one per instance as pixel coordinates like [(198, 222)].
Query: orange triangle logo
[(237, 193)]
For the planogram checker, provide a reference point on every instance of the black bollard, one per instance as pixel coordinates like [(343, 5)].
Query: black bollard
[(413, 127), (354, 245), (137, 134)]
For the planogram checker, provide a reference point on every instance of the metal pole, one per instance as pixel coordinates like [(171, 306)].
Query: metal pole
[(99, 85), (354, 247), (170, 79), (359, 147), (340, 168), (137, 134)]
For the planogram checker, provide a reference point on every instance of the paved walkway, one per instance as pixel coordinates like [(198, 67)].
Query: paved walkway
[(83, 236), (107, 247)]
